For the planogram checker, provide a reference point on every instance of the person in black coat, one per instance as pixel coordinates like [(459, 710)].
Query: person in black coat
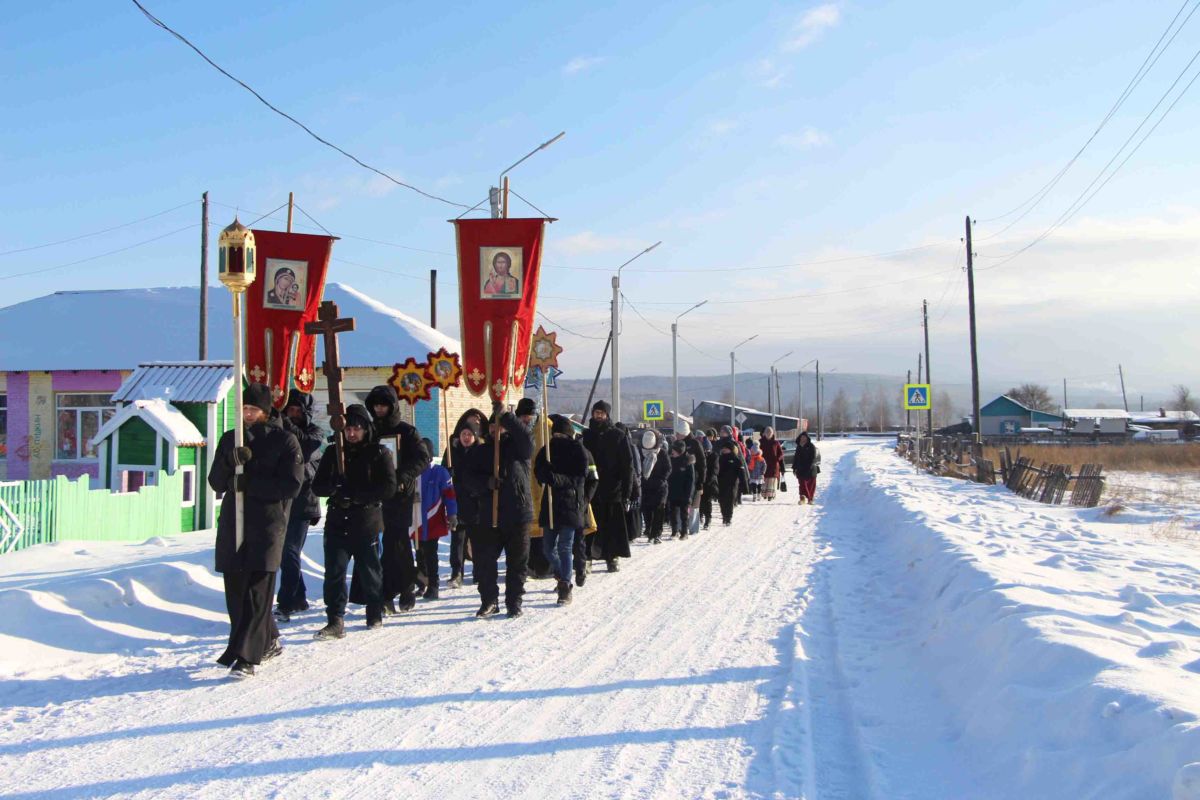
[(656, 466), (731, 478), (694, 442), (355, 517), (273, 473), (681, 485), (806, 466), (581, 550), (633, 514), (511, 534), (399, 564), (614, 465), (472, 421), (562, 467), (306, 509), (712, 469)]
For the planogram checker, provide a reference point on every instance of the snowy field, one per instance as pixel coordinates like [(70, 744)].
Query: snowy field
[(908, 637)]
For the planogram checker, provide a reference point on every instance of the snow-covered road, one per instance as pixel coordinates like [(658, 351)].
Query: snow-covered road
[(909, 637)]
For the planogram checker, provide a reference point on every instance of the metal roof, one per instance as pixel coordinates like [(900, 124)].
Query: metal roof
[(178, 382), (1096, 413)]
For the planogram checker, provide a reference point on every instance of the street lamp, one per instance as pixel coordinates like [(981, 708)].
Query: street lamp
[(675, 364), (733, 381), (616, 333), (500, 204), (800, 381), (237, 268), (820, 397), (772, 401)]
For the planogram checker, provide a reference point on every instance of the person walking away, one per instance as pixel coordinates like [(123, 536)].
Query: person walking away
[(582, 551), (562, 468), (694, 440), (656, 468), (614, 465), (305, 510), (681, 486), (467, 434), (712, 469), (806, 465), (439, 516), (399, 566), (273, 473), (354, 520), (730, 477), (633, 512), (516, 512), (756, 465), (772, 453)]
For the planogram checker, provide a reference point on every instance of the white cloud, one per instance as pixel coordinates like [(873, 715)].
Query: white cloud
[(587, 242), (581, 63), (812, 25), (766, 72), (805, 139)]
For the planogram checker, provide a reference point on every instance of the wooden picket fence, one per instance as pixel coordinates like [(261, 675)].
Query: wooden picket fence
[(1049, 483), (60, 509)]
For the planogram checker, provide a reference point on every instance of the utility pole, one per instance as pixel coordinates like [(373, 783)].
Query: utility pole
[(925, 318), (800, 402), (974, 348), (675, 426), (820, 428), (1064, 394), (1124, 399), (615, 332), (433, 298), (291, 204), (204, 277), (907, 413)]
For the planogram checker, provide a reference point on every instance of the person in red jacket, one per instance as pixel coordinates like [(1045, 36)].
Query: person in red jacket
[(772, 453)]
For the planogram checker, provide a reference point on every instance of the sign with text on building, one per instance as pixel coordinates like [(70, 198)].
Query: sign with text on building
[(652, 410), (917, 397)]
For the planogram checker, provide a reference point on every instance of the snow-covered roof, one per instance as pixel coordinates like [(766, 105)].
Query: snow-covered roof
[(1096, 413), (121, 328), (158, 414), (1143, 417), (178, 382)]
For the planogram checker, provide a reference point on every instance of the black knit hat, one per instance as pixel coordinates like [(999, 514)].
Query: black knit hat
[(560, 424), (526, 407), (258, 394), (600, 405)]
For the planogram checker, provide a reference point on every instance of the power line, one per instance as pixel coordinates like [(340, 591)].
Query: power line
[(100, 255), (287, 116), (96, 233), (653, 327), (565, 329), (1146, 65)]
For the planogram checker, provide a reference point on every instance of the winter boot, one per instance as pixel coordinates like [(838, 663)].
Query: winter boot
[(455, 582), (514, 612), (564, 592), (389, 608), (273, 650), (407, 603), (613, 566), (580, 577), (241, 669), (487, 610), (282, 614), (336, 629)]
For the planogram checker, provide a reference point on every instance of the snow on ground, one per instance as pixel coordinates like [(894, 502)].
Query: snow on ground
[(908, 637)]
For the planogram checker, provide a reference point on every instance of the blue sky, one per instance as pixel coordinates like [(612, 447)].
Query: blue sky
[(740, 134)]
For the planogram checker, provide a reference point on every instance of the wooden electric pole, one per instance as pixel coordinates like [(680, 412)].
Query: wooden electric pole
[(977, 423), (204, 277), (925, 322), (1124, 399)]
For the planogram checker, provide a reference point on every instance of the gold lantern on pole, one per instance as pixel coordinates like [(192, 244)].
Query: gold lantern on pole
[(237, 269)]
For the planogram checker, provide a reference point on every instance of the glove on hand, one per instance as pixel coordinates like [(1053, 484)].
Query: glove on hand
[(241, 455), (452, 521)]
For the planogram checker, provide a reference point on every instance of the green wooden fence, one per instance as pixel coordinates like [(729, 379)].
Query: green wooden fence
[(62, 509)]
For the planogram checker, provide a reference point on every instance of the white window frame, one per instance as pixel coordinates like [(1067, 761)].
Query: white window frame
[(80, 445), (189, 470)]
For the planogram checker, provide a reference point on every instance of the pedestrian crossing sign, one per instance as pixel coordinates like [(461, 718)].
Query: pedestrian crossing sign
[(652, 410), (917, 397)]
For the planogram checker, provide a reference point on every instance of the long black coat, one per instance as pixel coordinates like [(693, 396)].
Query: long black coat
[(614, 462), (807, 462), (656, 466), (566, 474), (712, 470), (272, 479), (696, 450), (516, 489), (469, 470), (411, 458), (311, 439), (682, 482), (731, 475), (356, 501)]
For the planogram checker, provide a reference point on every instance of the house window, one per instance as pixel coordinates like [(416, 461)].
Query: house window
[(134, 479), (3, 426), (189, 486), (79, 418)]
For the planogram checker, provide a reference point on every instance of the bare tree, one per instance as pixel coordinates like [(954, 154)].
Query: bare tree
[(944, 411), (1182, 399), (1033, 396), (839, 412)]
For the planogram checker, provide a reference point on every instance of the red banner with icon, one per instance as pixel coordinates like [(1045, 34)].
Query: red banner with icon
[(284, 297), (499, 263)]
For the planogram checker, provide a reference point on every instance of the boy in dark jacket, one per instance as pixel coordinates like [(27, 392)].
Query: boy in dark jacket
[(355, 517), (306, 510), (468, 434), (272, 476), (731, 479), (656, 467), (561, 467), (680, 487), (516, 512), (712, 470), (399, 565)]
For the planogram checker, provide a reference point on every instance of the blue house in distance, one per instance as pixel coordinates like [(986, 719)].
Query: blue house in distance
[(1005, 416)]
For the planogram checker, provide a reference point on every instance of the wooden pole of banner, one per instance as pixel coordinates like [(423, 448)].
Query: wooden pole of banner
[(446, 430), (291, 203), (504, 200), (549, 438)]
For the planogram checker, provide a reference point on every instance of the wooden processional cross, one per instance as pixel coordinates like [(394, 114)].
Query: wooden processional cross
[(329, 326)]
